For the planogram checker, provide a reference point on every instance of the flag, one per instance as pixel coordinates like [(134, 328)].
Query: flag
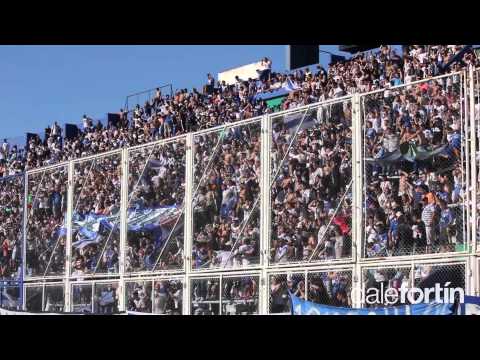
[(303, 307), (470, 306), (158, 221)]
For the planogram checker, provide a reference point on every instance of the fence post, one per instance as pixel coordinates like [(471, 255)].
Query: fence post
[(265, 213), (473, 161), (188, 218), (123, 225), (24, 240), (357, 171), (68, 243)]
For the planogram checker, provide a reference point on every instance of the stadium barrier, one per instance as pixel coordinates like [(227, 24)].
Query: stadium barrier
[(142, 242)]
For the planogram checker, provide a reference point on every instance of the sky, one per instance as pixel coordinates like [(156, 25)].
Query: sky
[(43, 84)]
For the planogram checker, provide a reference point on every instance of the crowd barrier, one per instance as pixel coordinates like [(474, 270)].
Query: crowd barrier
[(318, 200)]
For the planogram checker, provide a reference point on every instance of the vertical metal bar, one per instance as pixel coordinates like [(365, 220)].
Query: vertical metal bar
[(220, 295), (469, 278), (68, 243), (358, 171), (186, 295), (263, 293), (123, 223), (473, 161), (151, 294), (188, 225), (24, 300), (188, 217), (25, 217), (465, 166), (43, 297), (477, 277), (92, 297), (306, 272), (356, 285), (264, 190), (267, 180)]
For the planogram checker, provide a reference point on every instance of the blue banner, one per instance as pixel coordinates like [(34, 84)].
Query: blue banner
[(302, 307), (470, 306)]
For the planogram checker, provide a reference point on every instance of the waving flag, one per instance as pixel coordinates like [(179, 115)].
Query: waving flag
[(158, 221)]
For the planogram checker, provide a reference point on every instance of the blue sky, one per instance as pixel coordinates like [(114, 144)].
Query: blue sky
[(43, 84)]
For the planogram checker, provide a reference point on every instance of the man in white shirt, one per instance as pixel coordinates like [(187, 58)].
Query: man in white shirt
[(265, 69)]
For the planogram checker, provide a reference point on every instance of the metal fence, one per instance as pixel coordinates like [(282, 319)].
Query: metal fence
[(12, 190), (226, 220), (414, 166), (225, 294), (331, 287)]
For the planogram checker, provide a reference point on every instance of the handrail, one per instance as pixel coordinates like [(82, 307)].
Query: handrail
[(147, 91)]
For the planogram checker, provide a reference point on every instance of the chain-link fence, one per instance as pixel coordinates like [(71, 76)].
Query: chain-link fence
[(240, 295), (415, 165), (327, 287), (156, 186), (311, 188), (11, 295), (225, 295), (106, 297), (46, 297), (34, 298), (158, 296), (82, 298), (226, 197), (205, 296), (401, 284), (46, 228), (12, 195), (96, 215), (414, 169), (54, 298), (378, 280)]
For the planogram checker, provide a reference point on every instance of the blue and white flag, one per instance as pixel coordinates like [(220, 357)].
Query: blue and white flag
[(470, 306), (302, 307), (158, 221), (286, 88)]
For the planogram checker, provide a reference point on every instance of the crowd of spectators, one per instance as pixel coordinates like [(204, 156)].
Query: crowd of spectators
[(226, 200), (414, 199), (46, 210), (426, 115), (311, 203), (326, 288), (157, 179), (165, 116), (97, 188), (11, 226)]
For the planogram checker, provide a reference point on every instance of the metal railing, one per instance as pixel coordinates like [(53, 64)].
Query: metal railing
[(255, 280), (146, 95)]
